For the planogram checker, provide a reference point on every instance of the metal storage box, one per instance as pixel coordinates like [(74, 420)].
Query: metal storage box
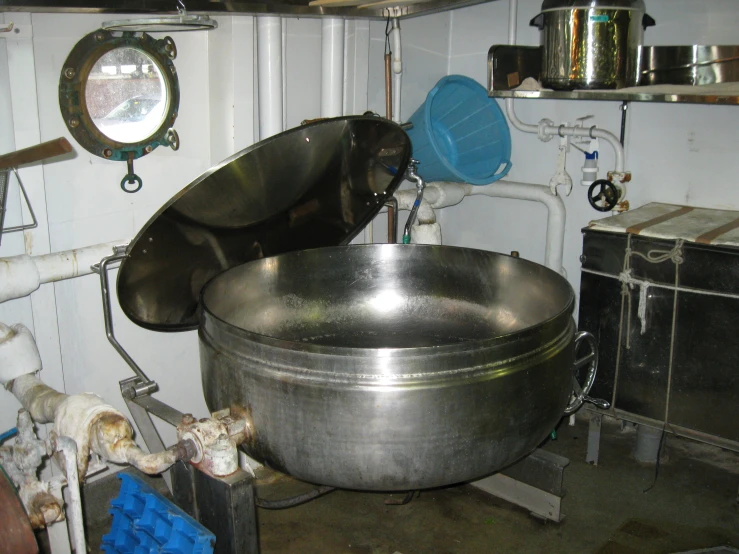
[(667, 320)]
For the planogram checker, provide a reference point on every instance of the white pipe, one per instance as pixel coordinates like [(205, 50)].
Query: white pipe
[(284, 74), (512, 21), (68, 447), (512, 33), (554, 249), (517, 123), (544, 128), (21, 275), (592, 132), (397, 86), (94, 425), (39, 400), (406, 199), (269, 67), (442, 195), (397, 69), (553, 130), (332, 67)]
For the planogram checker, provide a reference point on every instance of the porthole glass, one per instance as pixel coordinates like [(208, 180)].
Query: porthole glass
[(119, 96), (126, 95)]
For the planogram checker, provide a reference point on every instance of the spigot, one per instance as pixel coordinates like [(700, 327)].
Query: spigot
[(411, 175)]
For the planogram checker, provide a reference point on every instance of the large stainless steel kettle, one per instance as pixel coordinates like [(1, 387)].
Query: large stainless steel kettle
[(591, 44)]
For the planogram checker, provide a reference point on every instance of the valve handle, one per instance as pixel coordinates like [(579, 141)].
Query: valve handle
[(580, 393), (603, 195)]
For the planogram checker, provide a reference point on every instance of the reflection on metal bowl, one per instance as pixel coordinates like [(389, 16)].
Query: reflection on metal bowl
[(390, 367), (689, 65)]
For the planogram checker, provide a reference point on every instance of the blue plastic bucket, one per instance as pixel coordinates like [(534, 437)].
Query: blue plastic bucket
[(460, 134)]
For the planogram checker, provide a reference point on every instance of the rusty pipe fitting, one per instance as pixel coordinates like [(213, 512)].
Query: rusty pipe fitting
[(44, 509), (112, 438)]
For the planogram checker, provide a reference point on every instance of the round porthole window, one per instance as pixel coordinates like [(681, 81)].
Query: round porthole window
[(119, 96)]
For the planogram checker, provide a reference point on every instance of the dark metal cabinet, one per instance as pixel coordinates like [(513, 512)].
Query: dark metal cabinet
[(698, 393)]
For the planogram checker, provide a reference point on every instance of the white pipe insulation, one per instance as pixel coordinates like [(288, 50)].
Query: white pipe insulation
[(425, 230), (442, 194), (545, 128), (556, 214), (332, 67), (21, 275), (269, 69), (68, 449), (397, 68)]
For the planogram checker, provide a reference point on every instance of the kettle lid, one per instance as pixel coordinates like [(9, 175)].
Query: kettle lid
[(312, 186)]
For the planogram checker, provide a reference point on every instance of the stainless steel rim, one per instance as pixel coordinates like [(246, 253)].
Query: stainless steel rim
[(471, 345)]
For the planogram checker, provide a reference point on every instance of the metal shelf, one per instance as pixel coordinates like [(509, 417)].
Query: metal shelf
[(298, 8), (508, 66), (678, 94)]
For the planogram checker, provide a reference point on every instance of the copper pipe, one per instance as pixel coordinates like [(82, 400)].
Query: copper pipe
[(392, 220), (388, 88)]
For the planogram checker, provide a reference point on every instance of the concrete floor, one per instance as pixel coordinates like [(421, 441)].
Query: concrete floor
[(692, 505)]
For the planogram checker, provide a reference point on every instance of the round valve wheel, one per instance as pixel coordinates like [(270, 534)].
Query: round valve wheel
[(603, 195)]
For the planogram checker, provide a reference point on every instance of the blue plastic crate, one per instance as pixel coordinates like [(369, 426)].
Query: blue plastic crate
[(145, 522)]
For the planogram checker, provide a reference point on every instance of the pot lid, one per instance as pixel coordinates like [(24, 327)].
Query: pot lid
[(312, 186), (550, 5)]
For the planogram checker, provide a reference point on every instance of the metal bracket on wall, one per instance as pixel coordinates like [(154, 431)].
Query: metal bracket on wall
[(4, 186)]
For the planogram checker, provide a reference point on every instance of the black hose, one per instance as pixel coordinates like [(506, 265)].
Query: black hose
[(292, 501)]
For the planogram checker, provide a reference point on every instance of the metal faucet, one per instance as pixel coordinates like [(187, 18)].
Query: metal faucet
[(411, 175)]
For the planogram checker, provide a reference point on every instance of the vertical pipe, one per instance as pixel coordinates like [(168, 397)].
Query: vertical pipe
[(392, 220), (269, 62), (74, 511), (332, 67), (388, 87), (397, 68), (284, 73), (512, 21)]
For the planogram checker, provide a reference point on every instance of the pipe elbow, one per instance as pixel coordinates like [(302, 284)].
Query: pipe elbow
[(18, 353), (444, 194), (112, 439), (19, 277), (151, 464), (426, 215)]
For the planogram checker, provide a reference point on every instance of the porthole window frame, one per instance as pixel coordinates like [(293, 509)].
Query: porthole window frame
[(73, 101)]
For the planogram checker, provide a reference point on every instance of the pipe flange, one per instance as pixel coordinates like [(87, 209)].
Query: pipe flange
[(541, 132), (215, 451)]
